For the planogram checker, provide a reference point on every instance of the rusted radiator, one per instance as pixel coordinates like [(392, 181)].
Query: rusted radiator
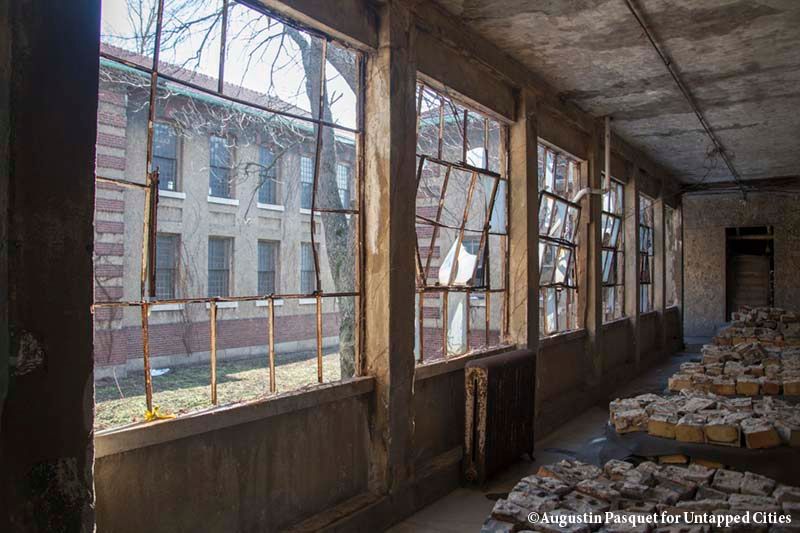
[(500, 392)]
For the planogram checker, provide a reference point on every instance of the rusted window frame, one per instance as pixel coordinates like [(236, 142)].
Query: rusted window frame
[(646, 252), (617, 252), (423, 288), (568, 288), (150, 190)]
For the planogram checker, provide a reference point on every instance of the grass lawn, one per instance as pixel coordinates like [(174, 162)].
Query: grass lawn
[(188, 388)]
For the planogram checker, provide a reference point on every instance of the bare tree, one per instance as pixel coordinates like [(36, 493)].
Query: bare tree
[(189, 29)]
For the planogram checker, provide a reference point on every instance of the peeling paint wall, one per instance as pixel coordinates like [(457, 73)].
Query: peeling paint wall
[(705, 220), (46, 426)]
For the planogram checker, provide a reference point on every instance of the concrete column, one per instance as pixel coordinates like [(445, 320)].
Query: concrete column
[(524, 226), (46, 445), (389, 280), (660, 271), (593, 290), (632, 261)]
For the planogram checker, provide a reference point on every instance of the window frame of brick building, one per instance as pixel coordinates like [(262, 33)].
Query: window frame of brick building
[(217, 143), (558, 291), (164, 183), (167, 265), (461, 130), (613, 251), (268, 264), (225, 266), (306, 173), (268, 188), (343, 182), (646, 254), (307, 272)]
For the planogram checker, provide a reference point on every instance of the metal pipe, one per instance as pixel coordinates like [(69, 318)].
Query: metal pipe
[(148, 379), (272, 384), (607, 154), (213, 325)]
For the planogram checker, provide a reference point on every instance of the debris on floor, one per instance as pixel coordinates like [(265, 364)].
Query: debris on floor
[(709, 418), (578, 497)]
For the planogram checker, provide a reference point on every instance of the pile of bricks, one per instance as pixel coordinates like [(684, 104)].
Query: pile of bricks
[(708, 418), (748, 369), (571, 488), (769, 325)]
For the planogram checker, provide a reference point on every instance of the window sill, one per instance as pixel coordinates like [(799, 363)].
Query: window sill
[(427, 370), (307, 301), (265, 303), (271, 207), (477, 302), (139, 435), (558, 338), (166, 307), (224, 305), (646, 314), (171, 194), (616, 322), (304, 211), (222, 201)]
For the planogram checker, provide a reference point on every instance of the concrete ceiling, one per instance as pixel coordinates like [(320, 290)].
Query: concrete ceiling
[(739, 58)]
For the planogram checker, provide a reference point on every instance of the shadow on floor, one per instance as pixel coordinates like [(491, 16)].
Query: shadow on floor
[(466, 508)]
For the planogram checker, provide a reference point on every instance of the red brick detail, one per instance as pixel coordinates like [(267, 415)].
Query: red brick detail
[(431, 312), (106, 226), (105, 294), (112, 141), (113, 346), (423, 252), (427, 211), (112, 119), (104, 314), (432, 341), (108, 186), (108, 271), (109, 205), (111, 98), (109, 248), (110, 161), (424, 231)]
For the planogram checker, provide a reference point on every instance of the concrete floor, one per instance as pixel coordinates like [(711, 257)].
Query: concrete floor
[(465, 509)]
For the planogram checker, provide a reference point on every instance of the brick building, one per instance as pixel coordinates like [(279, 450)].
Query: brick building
[(233, 219)]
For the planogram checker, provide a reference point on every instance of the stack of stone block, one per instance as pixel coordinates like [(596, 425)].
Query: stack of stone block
[(710, 419), (748, 369), (571, 488), (769, 325)]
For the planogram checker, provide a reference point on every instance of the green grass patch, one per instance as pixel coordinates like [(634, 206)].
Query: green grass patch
[(188, 388)]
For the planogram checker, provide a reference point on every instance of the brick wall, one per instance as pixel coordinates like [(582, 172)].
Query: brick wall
[(115, 346)]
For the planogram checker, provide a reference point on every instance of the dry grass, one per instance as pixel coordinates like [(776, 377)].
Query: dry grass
[(188, 388)]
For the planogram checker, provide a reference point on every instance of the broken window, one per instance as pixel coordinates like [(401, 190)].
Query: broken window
[(221, 135), (559, 178), (646, 252), (462, 235), (613, 252)]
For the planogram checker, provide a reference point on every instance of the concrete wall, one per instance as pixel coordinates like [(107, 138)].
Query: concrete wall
[(254, 476), (705, 218)]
